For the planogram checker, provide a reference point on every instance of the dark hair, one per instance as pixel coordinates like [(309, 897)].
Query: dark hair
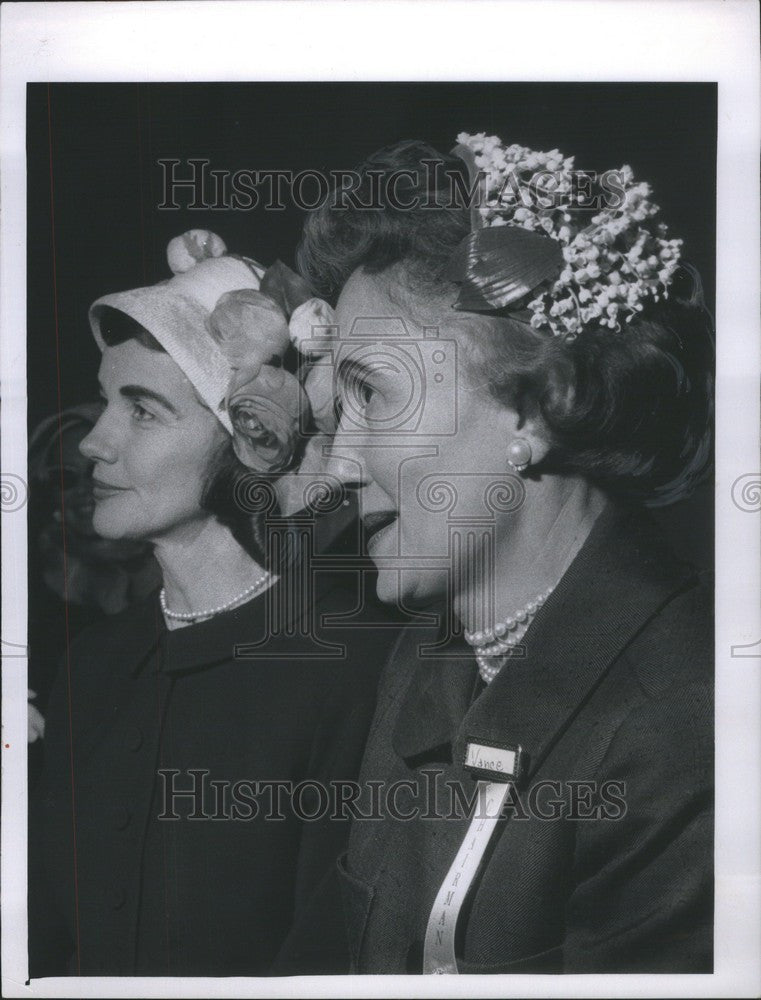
[(116, 327), (338, 240), (228, 482), (631, 411)]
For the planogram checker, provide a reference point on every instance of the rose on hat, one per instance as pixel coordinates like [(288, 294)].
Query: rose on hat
[(224, 319), (270, 407)]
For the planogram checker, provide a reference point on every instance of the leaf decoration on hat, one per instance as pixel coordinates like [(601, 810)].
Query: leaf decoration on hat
[(249, 327), (285, 287), (466, 154), (618, 259), (498, 266), (267, 407)]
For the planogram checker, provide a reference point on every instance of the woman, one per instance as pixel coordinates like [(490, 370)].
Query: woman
[(174, 833), (93, 576), (519, 377)]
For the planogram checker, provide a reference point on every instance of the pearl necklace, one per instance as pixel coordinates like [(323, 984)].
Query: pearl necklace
[(493, 646), (190, 616)]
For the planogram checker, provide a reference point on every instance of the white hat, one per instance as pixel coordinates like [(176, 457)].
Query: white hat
[(176, 312)]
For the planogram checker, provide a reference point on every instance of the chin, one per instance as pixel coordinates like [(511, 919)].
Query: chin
[(115, 529), (411, 587), (387, 587)]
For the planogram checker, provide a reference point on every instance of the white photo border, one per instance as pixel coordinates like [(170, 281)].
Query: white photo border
[(353, 40)]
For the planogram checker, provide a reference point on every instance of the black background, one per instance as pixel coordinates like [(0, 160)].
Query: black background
[(94, 185)]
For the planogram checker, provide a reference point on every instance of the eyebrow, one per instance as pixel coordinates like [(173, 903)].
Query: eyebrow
[(137, 392), (351, 367)]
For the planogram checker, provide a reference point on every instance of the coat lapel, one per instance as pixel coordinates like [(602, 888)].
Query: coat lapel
[(620, 578), (437, 698)]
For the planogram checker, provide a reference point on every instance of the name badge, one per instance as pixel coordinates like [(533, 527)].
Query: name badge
[(495, 762)]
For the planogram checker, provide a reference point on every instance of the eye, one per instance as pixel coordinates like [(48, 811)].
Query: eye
[(364, 391), (357, 390), (140, 414)]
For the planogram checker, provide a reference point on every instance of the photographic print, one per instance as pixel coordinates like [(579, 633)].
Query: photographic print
[(373, 497)]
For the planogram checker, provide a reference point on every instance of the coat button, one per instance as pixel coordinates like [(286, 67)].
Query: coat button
[(134, 738), (116, 897), (121, 817)]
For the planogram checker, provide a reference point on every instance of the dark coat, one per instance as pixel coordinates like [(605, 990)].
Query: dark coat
[(616, 686), (114, 889)]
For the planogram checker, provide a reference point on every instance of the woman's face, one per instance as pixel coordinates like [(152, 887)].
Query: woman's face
[(151, 446), (425, 442)]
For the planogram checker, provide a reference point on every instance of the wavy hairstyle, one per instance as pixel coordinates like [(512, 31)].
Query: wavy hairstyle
[(630, 411)]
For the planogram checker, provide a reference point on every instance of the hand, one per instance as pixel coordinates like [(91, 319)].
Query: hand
[(36, 722)]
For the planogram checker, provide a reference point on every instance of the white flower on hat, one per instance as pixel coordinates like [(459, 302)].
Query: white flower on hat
[(621, 248), (314, 320), (184, 252)]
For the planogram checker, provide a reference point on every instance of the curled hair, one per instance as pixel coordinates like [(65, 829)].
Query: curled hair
[(228, 483), (338, 239), (631, 411)]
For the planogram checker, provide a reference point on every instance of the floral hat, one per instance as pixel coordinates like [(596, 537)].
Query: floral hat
[(558, 260), (228, 323), (176, 312)]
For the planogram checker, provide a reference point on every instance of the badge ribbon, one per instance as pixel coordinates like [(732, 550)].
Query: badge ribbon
[(503, 763)]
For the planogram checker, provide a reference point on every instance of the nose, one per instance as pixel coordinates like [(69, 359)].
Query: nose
[(96, 446), (346, 467), (344, 459)]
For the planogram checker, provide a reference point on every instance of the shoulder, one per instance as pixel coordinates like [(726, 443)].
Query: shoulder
[(664, 729), (665, 706), (331, 635), (110, 630), (107, 649), (344, 608), (634, 586), (675, 648)]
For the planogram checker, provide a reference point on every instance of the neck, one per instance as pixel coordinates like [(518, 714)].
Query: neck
[(204, 567), (536, 547)]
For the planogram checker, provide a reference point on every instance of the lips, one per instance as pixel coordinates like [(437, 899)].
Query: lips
[(376, 521), (101, 490)]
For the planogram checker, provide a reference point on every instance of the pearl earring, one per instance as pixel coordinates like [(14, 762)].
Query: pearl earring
[(519, 454)]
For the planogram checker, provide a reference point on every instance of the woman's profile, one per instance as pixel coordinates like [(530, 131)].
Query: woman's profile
[(553, 729), (168, 833)]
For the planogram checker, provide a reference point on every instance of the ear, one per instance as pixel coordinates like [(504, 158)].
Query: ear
[(535, 432), (532, 430)]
